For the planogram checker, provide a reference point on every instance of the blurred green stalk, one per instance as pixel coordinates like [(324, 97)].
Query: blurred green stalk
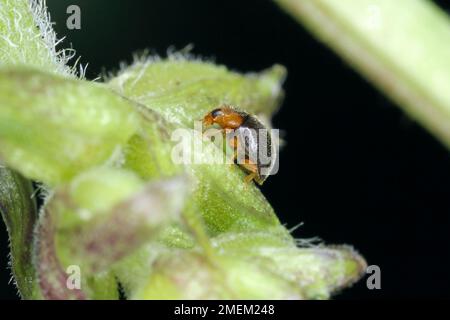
[(402, 46)]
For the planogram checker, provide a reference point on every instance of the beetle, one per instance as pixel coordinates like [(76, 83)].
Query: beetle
[(248, 135)]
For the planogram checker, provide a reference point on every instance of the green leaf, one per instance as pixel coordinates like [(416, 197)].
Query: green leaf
[(188, 275), (234, 214), (103, 216), (183, 90), (27, 38), (131, 214), (52, 128), (178, 92), (18, 209), (319, 271)]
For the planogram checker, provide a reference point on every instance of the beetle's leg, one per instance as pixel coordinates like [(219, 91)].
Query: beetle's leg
[(233, 142), (250, 177), (250, 167)]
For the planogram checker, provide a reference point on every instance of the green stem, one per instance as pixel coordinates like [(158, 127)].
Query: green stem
[(400, 46)]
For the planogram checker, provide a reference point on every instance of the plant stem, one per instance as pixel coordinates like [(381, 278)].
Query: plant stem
[(403, 47)]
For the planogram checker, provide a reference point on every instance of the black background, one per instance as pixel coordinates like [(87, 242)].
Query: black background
[(355, 169)]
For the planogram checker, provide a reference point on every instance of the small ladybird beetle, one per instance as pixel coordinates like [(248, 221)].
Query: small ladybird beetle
[(246, 135)]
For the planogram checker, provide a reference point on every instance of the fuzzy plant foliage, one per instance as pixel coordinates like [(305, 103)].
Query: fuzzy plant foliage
[(115, 206)]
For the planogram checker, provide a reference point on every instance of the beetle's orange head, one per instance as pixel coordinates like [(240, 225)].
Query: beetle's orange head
[(225, 117), (212, 117)]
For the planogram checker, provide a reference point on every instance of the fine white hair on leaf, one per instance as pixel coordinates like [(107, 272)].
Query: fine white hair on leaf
[(298, 225), (308, 242), (59, 57), (305, 242), (142, 59)]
